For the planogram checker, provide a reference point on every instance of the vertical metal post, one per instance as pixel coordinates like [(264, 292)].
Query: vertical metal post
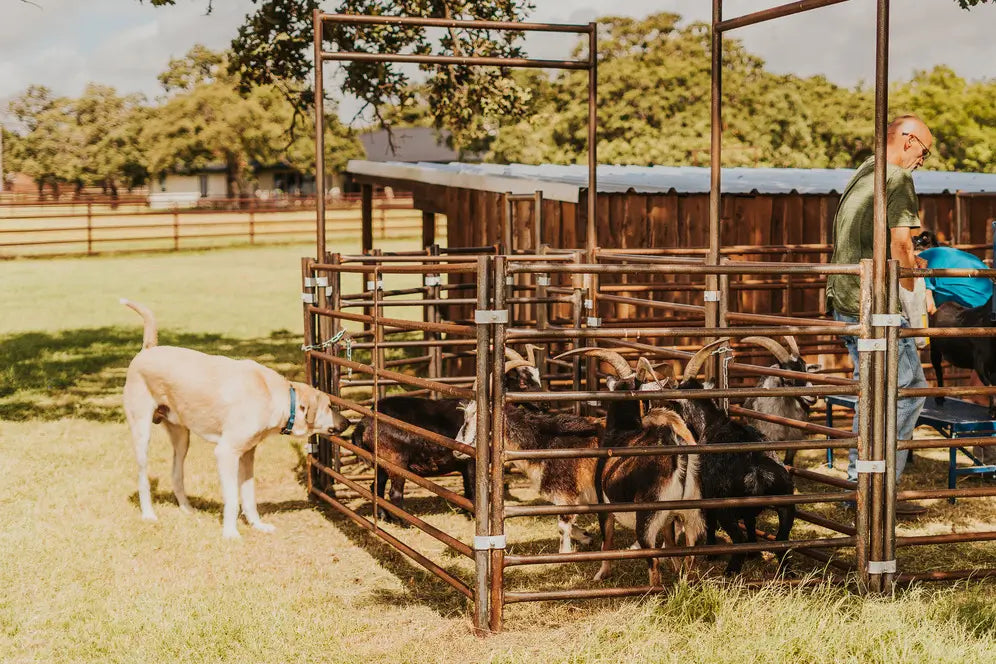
[(537, 219), (176, 229), (375, 360), (723, 377), (433, 316), (498, 450), (715, 181), (428, 229), (89, 225), (252, 224), (590, 234), (309, 339), (959, 212), (482, 478), (508, 227), (366, 216), (891, 431), (335, 371), (577, 313), (319, 136), (865, 387)]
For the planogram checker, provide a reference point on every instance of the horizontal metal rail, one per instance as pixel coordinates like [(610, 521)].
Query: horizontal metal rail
[(703, 503), (517, 334), (826, 390), (951, 575), (727, 268), (946, 332), (671, 450), (528, 63), (929, 443), (956, 391), (795, 424), (946, 538), (773, 13), (816, 476), (927, 494), (399, 323), (404, 379), (823, 522), (513, 26), (456, 583)]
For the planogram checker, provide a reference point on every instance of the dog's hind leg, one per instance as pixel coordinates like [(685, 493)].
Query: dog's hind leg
[(247, 485), (228, 473), (139, 407), (179, 435)]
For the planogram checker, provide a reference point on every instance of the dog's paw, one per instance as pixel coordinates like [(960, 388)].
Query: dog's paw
[(231, 534), (186, 508), (149, 516), (264, 527)]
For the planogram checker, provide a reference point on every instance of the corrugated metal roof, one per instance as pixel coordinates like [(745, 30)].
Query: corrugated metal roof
[(523, 178)]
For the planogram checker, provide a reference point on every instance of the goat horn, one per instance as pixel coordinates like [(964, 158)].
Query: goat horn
[(515, 364), (531, 353), (776, 348), (513, 356), (694, 364), (793, 345), (647, 372), (617, 361)]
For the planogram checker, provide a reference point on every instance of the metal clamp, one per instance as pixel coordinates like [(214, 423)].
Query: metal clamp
[(509, 280), (378, 285), (542, 279), (308, 298), (711, 295), (489, 542), (309, 282), (866, 345), (887, 320), (864, 466), (490, 316), (311, 448), (588, 304), (322, 282), (434, 280), (592, 321), (881, 566)]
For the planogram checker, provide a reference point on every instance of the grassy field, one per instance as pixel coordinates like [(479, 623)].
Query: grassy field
[(85, 580)]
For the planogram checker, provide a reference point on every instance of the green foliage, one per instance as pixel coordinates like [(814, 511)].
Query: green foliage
[(966, 4), (275, 45)]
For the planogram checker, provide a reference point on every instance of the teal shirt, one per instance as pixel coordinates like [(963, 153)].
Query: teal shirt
[(854, 227)]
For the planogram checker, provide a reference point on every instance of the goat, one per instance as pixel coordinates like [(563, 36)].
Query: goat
[(643, 478), (795, 408), (732, 474), (443, 416), (561, 481), (976, 353)]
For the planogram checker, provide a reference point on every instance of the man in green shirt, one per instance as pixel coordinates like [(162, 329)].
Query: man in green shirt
[(908, 144)]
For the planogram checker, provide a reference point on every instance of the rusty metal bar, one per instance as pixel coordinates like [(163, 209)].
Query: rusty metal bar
[(397, 544), (702, 503), (702, 332), (401, 378), (319, 136), (956, 391), (953, 575), (482, 478), (946, 538), (928, 443), (497, 470), (908, 332), (823, 522), (796, 424), (864, 416), (715, 180), (590, 231), (828, 390), (671, 450), (816, 476), (775, 12), (514, 26), (733, 268), (527, 63), (419, 326), (927, 494)]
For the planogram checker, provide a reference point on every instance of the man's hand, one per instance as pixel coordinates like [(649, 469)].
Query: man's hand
[(902, 251)]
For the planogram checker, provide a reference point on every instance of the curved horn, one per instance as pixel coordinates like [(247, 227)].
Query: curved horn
[(531, 353), (793, 345), (617, 361), (694, 364), (776, 348), (512, 355), (515, 364)]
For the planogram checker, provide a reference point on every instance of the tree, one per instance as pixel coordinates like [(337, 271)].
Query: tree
[(49, 152)]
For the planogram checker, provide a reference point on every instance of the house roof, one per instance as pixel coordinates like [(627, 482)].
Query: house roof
[(565, 182), (411, 144)]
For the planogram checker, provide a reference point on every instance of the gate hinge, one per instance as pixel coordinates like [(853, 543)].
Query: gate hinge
[(488, 542), (490, 316)]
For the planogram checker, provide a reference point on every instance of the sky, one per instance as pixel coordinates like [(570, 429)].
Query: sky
[(64, 44)]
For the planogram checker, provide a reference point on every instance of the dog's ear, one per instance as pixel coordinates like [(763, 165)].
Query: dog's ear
[(309, 398)]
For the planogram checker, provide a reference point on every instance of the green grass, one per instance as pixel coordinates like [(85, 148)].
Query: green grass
[(83, 579)]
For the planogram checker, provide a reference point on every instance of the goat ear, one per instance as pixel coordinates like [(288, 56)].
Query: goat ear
[(812, 368)]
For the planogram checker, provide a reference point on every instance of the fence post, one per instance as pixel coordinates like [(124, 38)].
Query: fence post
[(176, 229), (252, 220), (89, 227), (482, 502), (497, 572)]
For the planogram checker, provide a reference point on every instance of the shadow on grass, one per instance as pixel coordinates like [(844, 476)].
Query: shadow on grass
[(80, 373)]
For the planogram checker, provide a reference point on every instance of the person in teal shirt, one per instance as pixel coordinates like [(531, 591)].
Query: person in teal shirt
[(968, 292)]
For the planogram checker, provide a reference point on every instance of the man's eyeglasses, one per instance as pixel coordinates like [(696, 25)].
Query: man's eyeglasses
[(926, 152)]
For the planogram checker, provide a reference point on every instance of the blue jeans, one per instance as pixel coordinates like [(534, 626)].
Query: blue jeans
[(907, 409)]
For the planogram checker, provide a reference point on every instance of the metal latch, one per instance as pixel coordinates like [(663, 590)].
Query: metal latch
[(593, 322), (490, 316), (881, 566), (433, 281), (488, 542), (542, 279), (308, 298), (887, 320), (379, 285), (711, 296), (871, 345), (865, 466)]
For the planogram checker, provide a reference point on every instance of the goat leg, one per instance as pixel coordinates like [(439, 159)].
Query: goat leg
[(711, 525), (607, 524), (936, 358), (398, 497), (648, 540), (786, 517), (469, 473), (750, 529), (381, 484), (731, 524)]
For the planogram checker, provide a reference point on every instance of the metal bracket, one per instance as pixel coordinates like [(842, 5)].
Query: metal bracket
[(433, 281), (509, 280), (489, 542), (309, 298), (309, 282), (881, 566), (864, 466), (322, 282), (542, 279), (865, 345), (593, 403), (379, 285), (588, 304), (490, 316), (887, 320), (591, 321), (711, 296), (310, 448)]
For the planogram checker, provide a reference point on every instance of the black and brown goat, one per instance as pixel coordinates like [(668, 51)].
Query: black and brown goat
[(733, 474), (561, 481), (795, 408), (642, 479), (443, 416), (975, 353)]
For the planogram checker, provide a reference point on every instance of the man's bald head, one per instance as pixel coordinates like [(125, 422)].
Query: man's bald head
[(908, 142)]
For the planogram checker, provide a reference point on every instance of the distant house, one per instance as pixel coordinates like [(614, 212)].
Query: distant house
[(212, 181), (412, 144)]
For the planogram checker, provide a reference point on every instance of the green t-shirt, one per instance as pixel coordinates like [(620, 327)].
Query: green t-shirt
[(854, 227)]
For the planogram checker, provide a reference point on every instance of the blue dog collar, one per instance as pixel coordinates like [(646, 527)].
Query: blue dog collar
[(293, 413)]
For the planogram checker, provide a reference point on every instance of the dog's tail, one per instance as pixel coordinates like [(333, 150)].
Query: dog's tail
[(150, 336)]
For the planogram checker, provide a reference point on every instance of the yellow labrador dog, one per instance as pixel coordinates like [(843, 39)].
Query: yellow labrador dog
[(232, 403)]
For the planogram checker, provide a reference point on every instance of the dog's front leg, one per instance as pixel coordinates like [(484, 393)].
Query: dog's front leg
[(247, 486), (228, 472)]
